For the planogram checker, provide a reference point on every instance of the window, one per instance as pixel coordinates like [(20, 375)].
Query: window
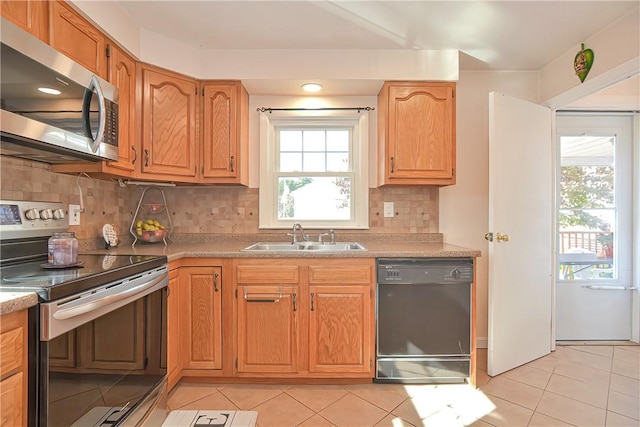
[(594, 198), (314, 169)]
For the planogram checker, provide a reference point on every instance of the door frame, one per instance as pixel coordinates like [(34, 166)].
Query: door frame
[(608, 78)]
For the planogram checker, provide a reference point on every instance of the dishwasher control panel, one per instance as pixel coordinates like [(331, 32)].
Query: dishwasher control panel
[(424, 270)]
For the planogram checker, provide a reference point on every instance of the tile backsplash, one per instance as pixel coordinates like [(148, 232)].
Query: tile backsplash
[(210, 209)]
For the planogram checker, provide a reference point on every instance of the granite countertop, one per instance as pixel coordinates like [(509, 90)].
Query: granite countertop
[(232, 248), (211, 246), (15, 301)]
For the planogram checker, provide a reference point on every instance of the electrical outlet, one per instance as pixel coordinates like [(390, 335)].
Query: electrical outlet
[(74, 214), (388, 209)]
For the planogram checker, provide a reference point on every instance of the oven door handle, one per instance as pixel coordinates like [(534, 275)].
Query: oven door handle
[(82, 308)]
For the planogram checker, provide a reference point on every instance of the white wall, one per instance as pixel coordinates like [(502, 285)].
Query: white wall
[(464, 207), (616, 51)]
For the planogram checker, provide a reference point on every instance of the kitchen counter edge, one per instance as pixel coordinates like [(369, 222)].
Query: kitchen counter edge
[(16, 301), (177, 251)]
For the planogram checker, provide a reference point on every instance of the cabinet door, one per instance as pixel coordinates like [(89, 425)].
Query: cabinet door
[(169, 125), (173, 329), (122, 74), (225, 139), (121, 351), (340, 326), (14, 351), (202, 340), (12, 401), (420, 133), (267, 329), (31, 15), (77, 38)]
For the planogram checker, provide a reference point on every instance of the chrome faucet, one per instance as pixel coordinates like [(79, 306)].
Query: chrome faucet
[(298, 227), (332, 237)]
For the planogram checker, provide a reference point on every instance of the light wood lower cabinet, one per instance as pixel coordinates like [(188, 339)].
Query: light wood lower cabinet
[(201, 302), (174, 360), (268, 329), (305, 318), (13, 369)]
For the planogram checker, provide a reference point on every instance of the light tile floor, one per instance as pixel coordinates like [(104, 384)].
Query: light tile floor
[(587, 385)]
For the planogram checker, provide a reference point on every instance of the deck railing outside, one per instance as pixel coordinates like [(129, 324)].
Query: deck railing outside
[(581, 239)]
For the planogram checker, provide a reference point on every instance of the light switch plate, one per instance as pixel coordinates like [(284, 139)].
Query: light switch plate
[(388, 209), (74, 214)]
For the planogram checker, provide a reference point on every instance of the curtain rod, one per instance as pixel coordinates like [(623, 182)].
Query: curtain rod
[(266, 109)]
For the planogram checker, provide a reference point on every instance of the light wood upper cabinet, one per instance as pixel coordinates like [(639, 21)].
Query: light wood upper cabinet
[(122, 74), (225, 135), (169, 136), (13, 369), (201, 300), (31, 15), (417, 133), (75, 37)]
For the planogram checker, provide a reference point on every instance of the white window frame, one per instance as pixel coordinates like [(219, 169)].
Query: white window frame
[(619, 124), (357, 122)]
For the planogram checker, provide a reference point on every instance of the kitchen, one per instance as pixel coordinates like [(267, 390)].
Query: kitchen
[(459, 211)]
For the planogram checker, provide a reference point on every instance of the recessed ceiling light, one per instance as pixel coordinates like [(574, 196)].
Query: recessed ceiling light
[(312, 87), (49, 91)]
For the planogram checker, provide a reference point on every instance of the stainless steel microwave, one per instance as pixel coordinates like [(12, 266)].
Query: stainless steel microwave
[(53, 109)]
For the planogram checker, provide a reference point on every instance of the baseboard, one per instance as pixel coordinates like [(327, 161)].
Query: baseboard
[(482, 342)]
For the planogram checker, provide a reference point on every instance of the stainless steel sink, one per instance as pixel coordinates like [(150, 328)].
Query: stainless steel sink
[(305, 246)]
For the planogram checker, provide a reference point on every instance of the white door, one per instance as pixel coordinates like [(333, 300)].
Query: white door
[(520, 207), (593, 289)]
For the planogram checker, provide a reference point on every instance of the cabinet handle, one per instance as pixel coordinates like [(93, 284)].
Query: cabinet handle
[(146, 157), (215, 282), (232, 163), (264, 298), (295, 298), (135, 155), (393, 164), (168, 291), (312, 295)]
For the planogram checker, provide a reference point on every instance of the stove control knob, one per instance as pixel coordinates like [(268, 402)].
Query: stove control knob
[(455, 273), (32, 214), (58, 214), (46, 214)]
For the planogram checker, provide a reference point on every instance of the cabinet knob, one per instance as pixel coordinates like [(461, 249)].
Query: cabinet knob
[(146, 157), (135, 155), (393, 164), (232, 166)]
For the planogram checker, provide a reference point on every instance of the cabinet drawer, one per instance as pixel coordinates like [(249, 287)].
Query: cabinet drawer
[(11, 349), (269, 274), (341, 274)]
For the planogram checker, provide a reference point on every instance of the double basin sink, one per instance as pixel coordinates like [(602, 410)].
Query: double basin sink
[(304, 246)]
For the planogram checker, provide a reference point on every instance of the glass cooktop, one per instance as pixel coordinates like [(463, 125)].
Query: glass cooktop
[(90, 271)]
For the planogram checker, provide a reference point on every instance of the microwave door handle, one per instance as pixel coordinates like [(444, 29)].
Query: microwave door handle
[(95, 84), (82, 308)]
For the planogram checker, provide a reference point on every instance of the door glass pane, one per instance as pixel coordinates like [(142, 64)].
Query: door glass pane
[(314, 198), (587, 208)]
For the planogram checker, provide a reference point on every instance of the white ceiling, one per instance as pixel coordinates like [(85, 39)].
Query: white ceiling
[(495, 35)]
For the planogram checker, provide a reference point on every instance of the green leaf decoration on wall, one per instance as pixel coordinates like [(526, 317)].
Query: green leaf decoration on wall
[(583, 62)]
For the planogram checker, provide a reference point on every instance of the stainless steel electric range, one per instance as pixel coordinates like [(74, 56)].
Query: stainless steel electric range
[(97, 346)]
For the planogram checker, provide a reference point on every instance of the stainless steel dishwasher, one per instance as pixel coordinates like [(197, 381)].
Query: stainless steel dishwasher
[(423, 326)]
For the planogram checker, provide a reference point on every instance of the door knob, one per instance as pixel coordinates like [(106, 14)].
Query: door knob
[(502, 237)]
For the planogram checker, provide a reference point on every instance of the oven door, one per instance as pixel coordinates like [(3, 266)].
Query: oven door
[(103, 354)]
